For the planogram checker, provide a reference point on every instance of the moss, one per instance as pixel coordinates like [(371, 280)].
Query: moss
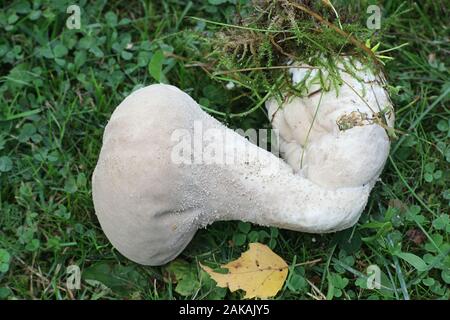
[(255, 51)]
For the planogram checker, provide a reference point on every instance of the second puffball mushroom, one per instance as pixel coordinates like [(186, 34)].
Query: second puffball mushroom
[(150, 206)]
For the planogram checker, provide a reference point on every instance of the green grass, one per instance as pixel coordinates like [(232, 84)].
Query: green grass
[(58, 88)]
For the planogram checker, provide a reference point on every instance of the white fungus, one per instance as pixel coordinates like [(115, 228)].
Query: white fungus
[(150, 207)]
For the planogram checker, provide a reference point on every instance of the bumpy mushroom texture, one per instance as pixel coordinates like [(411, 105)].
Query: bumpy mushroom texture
[(150, 206), (335, 138)]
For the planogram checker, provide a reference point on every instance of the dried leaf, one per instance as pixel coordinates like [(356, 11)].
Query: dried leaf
[(259, 272), (416, 236)]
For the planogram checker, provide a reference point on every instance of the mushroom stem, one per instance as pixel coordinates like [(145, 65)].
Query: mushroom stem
[(261, 188)]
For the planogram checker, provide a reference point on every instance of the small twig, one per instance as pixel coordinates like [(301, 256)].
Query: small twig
[(313, 296), (307, 262), (262, 68), (280, 49), (314, 92), (204, 66), (317, 291)]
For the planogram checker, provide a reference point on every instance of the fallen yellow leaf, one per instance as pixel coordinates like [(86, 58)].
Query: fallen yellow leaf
[(259, 272)]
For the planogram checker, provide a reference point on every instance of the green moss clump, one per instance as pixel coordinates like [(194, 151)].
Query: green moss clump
[(255, 52)]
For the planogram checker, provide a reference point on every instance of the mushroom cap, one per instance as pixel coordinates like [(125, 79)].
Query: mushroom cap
[(134, 185)]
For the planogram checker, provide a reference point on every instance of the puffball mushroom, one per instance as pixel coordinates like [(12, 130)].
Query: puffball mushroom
[(335, 138), (151, 197)]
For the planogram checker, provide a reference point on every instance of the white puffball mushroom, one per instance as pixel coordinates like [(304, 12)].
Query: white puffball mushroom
[(311, 140), (150, 205)]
